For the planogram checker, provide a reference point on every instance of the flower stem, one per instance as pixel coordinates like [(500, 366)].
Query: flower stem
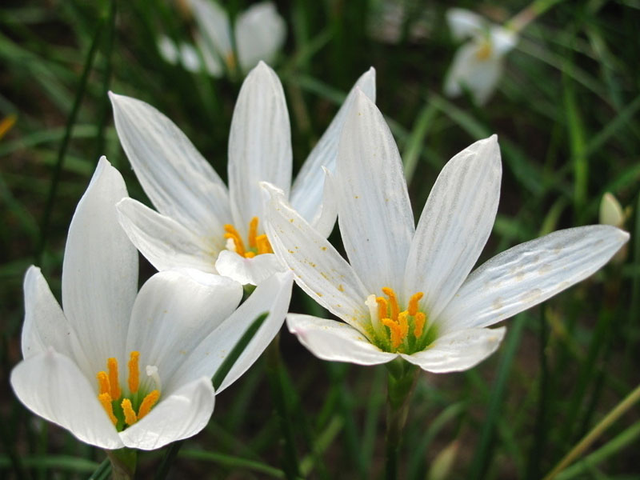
[(529, 14), (402, 380), (276, 382), (123, 463), (593, 435)]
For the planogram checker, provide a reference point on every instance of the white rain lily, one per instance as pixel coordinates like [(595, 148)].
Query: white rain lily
[(259, 34), (477, 65), (118, 369), (200, 223), (407, 291)]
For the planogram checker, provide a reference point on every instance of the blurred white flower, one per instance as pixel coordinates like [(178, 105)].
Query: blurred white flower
[(201, 223), (407, 291), (118, 369), (259, 34), (478, 63)]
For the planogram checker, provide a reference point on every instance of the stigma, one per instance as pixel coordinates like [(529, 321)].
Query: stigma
[(398, 330), (126, 408), (256, 245)]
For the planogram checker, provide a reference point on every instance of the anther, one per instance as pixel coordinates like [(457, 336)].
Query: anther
[(134, 372), (393, 302), (383, 307), (263, 245), (129, 415), (103, 383), (394, 328), (105, 401), (233, 234), (253, 232), (147, 404), (419, 320), (114, 384), (403, 323), (413, 303)]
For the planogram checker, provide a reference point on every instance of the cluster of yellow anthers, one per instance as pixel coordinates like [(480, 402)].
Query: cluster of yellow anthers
[(485, 50), (258, 244), (399, 322), (110, 392)]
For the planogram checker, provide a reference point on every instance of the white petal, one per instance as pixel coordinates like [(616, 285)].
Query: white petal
[(164, 242), (100, 269), (189, 58), (307, 190), (455, 224), (211, 59), (168, 50), (318, 268), (53, 387), (480, 76), (374, 211), (44, 323), (180, 415), (325, 218), (271, 296), (459, 350), (174, 311), (214, 26), (248, 270), (465, 23), (260, 34), (529, 273), (503, 40), (335, 341), (259, 144), (176, 178)]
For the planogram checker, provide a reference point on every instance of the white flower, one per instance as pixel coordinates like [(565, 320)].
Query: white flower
[(118, 369), (201, 224), (259, 34), (407, 291), (478, 63)]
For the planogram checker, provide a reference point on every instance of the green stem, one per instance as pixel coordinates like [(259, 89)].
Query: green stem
[(276, 382), (529, 14), (402, 380), (123, 463), (593, 435)]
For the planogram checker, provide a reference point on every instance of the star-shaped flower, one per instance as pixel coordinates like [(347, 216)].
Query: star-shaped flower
[(118, 369), (201, 224), (478, 63), (407, 291)]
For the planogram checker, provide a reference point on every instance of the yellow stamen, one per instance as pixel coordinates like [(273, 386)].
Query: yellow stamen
[(103, 383), (112, 366), (147, 404), (233, 234), (230, 60), (134, 372), (484, 51), (403, 322), (129, 415), (396, 333), (253, 232), (393, 302), (7, 123), (383, 307), (105, 401), (249, 255), (413, 303), (419, 320), (263, 244)]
